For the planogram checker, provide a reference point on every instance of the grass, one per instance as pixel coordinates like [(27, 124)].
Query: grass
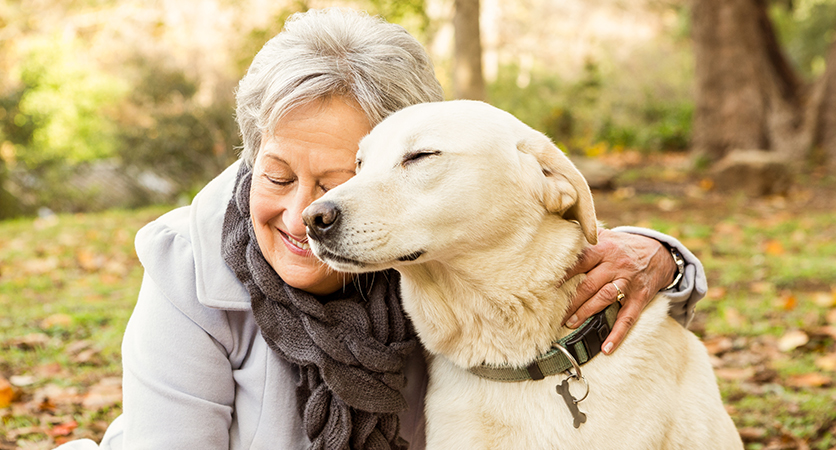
[(68, 285)]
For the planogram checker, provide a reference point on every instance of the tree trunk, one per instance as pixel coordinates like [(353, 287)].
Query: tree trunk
[(747, 94), (468, 80), (825, 137)]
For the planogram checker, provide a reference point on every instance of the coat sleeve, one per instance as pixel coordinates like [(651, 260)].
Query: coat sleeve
[(178, 386), (693, 286)]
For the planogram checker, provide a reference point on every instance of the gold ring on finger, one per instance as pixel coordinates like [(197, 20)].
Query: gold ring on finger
[(620, 297)]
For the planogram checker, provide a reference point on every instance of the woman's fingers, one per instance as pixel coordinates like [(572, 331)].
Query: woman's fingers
[(639, 266)]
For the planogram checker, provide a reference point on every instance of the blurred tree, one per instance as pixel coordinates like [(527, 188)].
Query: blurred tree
[(63, 105), (750, 95), (468, 81), (171, 134)]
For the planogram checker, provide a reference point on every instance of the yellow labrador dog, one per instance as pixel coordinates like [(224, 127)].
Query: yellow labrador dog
[(482, 216)]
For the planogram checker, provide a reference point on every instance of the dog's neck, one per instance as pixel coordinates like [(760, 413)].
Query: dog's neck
[(499, 305)]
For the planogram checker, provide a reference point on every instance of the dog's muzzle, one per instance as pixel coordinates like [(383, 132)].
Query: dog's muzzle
[(322, 220)]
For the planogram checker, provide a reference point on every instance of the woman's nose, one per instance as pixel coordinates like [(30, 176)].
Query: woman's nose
[(295, 224)]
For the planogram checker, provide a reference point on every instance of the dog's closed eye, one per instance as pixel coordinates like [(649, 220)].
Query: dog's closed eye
[(413, 157)]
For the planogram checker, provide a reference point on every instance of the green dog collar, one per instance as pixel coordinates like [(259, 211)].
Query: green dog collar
[(583, 344)]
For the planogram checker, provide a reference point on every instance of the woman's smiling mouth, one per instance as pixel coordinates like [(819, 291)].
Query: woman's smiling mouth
[(296, 246)]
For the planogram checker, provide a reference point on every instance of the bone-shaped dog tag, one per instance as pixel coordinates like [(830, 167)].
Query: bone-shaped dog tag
[(577, 414)]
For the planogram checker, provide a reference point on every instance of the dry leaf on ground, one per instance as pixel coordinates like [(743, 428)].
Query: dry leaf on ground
[(107, 392), (63, 429), (735, 373), (7, 393), (59, 320), (827, 362), (30, 341), (792, 339), (830, 316), (718, 344), (809, 380)]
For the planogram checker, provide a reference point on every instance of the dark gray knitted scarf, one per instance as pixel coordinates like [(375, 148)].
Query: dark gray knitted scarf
[(350, 347)]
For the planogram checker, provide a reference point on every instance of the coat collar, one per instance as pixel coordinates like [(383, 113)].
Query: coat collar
[(217, 285)]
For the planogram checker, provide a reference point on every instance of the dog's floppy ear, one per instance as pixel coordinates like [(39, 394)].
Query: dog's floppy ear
[(566, 190)]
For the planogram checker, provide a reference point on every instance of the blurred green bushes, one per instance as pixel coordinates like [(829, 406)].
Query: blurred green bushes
[(77, 134), (598, 112), (75, 138)]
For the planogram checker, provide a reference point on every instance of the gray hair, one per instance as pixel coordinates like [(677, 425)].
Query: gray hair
[(332, 52)]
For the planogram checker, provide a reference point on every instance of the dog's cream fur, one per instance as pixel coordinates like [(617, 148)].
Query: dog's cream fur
[(482, 216)]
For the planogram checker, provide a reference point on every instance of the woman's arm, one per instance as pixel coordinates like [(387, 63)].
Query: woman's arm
[(639, 262), (178, 390)]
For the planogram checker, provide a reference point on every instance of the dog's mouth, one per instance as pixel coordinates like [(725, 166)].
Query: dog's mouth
[(334, 259), (345, 264)]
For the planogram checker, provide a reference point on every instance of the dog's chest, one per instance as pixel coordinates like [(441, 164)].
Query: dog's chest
[(467, 412)]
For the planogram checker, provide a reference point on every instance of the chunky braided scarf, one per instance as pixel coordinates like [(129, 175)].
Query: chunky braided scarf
[(350, 348)]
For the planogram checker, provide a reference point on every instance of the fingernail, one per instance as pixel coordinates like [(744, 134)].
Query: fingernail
[(572, 321), (608, 348)]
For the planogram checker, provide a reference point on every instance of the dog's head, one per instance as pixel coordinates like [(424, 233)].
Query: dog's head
[(437, 179)]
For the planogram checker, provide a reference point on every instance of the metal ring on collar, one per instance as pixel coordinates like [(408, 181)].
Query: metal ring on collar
[(620, 297), (577, 373)]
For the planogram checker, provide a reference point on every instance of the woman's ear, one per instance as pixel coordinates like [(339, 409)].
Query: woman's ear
[(566, 191)]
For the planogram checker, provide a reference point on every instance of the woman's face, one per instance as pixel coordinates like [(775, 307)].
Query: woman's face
[(312, 150)]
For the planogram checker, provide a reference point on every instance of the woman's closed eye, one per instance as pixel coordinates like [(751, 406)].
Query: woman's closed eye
[(278, 181)]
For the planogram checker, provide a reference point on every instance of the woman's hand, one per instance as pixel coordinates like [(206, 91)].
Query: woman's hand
[(640, 266)]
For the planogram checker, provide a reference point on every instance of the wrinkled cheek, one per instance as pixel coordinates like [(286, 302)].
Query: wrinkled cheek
[(262, 209)]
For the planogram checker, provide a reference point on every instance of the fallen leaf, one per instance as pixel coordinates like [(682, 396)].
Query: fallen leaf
[(830, 316), (751, 434), (30, 341), (46, 405), (788, 301), (40, 266), (827, 362), (59, 320), (85, 357), (792, 339), (89, 261), (53, 395), (827, 330), (761, 287), (735, 373), (63, 429), (78, 346), (734, 318), (774, 248), (799, 236), (808, 380), (717, 345), (667, 204), (52, 369), (22, 380), (706, 184), (824, 299), (716, 293), (765, 375), (107, 392), (624, 193), (7, 393)]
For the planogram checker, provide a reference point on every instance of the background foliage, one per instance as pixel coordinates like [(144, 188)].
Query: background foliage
[(141, 98)]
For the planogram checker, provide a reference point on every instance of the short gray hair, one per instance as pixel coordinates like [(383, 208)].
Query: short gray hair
[(332, 52)]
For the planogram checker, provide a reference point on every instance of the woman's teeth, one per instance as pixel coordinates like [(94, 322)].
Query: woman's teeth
[(302, 245)]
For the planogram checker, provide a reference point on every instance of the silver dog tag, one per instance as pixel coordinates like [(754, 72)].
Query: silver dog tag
[(577, 414)]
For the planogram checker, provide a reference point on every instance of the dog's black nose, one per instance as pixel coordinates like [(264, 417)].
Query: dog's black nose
[(320, 218)]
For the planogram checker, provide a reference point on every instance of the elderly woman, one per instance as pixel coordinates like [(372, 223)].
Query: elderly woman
[(241, 338)]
